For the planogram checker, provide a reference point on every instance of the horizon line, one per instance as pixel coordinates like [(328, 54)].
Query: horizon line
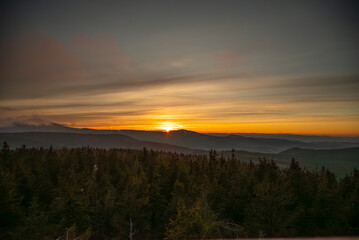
[(163, 130)]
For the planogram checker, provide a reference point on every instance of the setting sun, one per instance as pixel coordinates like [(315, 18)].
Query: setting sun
[(168, 126)]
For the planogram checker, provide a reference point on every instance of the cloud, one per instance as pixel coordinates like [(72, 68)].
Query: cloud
[(87, 80), (35, 59), (226, 60), (180, 63), (323, 87), (36, 65), (32, 63), (129, 83), (320, 81), (25, 119), (68, 105), (100, 55)]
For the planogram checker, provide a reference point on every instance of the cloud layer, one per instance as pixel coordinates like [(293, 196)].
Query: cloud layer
[(87, 81)]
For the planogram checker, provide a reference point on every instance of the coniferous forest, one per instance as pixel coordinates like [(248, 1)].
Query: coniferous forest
[(88, 193)]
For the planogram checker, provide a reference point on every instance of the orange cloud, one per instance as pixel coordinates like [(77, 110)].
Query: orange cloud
[(36, 58), (34, 62)]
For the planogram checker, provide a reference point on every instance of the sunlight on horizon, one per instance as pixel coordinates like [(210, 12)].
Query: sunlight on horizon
[(168, 126)]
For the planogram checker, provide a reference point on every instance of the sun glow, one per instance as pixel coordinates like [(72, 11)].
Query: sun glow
[(168, 126)]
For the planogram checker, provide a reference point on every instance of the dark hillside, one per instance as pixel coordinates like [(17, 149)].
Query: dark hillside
[(89, 193)]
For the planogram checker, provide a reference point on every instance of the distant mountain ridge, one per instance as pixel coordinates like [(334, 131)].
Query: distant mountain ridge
[(52, 127), (338, 156), (75, 140), (302, 138), (178, 138)]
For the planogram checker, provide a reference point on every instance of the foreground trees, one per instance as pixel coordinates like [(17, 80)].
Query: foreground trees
[(128, 194)]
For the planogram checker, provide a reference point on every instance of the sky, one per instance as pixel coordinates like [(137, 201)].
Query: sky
[(207, 66)]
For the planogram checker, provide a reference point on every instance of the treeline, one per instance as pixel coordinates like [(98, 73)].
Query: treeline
[(92, 193)]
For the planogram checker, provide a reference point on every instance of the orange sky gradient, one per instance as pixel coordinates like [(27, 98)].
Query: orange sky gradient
[(301, 128)]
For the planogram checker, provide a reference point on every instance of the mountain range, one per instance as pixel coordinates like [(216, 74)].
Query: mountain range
[(340, 154), (181, 139)]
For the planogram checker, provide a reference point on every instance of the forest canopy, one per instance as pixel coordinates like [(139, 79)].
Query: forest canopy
[(89, 193)]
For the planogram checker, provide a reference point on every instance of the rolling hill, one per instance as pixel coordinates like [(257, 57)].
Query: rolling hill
[(193, 140), (74, 140)]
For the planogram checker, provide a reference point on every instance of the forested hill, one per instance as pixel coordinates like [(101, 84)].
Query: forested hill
[(340, 161), (113, 194)]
